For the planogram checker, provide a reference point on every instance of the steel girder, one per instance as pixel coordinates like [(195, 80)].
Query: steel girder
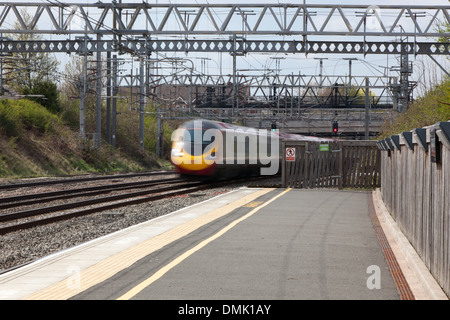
[(262, 81), (281, 19), (145, 47), (138, 28)]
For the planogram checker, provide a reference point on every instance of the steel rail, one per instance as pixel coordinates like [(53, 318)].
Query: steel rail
[(74, 180), (136, 198), (28, 199), (66, 216), (66, 206)]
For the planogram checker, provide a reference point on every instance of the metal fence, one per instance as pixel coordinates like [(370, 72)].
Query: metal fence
[(415, 186)]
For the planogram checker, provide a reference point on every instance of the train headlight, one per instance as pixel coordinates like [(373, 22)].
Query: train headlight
[(177, 152)]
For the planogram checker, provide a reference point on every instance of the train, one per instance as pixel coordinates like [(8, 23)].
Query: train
[(217, 149)]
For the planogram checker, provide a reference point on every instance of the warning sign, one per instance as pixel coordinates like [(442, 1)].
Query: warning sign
[(290, 154)]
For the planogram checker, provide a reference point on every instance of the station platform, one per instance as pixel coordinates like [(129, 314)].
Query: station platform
[(251, 243)]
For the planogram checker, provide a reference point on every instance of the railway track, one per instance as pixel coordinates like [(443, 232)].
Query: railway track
[(29, 199), (71, 180), (92, 200)]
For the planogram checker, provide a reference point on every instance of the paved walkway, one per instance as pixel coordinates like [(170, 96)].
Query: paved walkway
[(248, 244), (303, 245)]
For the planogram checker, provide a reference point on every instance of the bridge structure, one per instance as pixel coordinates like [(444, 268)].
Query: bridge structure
[(293, 102)]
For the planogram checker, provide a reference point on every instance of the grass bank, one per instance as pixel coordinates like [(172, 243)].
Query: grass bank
[(432, 108), (35, 142)]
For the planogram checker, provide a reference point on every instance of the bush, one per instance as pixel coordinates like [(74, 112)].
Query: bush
[(428, 110), (49, 90), (70, 112), (8, 119), (19, 115)]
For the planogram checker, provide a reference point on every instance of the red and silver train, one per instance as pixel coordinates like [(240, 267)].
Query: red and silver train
[(218, 149)]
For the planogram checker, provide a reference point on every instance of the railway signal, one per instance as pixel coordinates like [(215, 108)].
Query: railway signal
[(274, 126), (335, 127)]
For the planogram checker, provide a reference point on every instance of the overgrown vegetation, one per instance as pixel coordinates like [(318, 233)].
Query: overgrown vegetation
[(17, 117), (39, 135), (427, 110), (37, 142)]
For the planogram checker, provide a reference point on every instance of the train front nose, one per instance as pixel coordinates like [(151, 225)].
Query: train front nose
[(192, 158), (194, 147)]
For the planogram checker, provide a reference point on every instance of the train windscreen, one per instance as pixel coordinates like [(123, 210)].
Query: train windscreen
[(194, 142)]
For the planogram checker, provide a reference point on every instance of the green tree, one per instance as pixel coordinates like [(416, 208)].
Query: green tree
[(29, 68), (443, 26), (49, 92)]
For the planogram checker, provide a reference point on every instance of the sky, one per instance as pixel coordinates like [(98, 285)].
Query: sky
[(288, 64)]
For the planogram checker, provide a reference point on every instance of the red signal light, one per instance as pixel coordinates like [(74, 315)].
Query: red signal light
[(335, 126)]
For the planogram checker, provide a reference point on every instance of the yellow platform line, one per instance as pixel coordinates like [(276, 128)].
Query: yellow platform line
[(161, 272), (110, 266)]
